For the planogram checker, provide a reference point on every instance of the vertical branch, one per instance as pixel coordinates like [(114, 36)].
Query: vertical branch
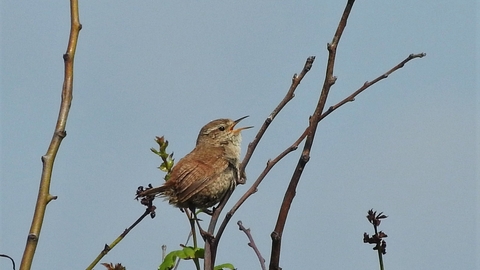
[(44, 196), (290, 193)]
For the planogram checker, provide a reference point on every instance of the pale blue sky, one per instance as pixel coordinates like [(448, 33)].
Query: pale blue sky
[(406, 146)]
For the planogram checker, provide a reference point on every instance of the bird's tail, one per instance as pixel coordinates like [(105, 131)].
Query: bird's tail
[(155, 191)]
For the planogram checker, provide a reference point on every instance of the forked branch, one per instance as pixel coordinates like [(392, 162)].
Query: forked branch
[(211, 246), (305, 156), (252, 244), (317, 116)]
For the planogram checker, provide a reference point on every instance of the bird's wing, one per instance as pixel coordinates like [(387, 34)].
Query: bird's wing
[(192, 177)]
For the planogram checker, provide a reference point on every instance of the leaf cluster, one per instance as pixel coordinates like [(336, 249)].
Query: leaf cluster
[(188, 253), (167, 159)]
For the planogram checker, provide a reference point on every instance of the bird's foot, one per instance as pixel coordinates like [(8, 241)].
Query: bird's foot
[(208, 211)]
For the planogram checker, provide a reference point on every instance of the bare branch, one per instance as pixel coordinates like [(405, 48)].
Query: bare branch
[(252, 244), (370, 83), (44, 196), (290, 193)]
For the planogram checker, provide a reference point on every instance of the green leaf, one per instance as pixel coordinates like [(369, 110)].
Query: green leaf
[(200, 253), (170, 163), (169, 261), (190, 252), (163, 167), (225, 265), (187, 253)]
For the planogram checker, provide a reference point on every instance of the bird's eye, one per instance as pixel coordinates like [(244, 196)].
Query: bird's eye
[(221, 128)]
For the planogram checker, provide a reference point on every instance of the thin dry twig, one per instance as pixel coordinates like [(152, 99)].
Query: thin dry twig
[(252, 244), (370, 83), (254, 187), (44, 196), (107, 248)]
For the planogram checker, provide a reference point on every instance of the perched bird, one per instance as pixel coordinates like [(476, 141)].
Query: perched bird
[(202, 178)]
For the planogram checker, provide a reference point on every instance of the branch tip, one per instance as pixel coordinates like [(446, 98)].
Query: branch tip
[(61, 133), (309, 63), (51, 198), (418, 55), (332, 80)]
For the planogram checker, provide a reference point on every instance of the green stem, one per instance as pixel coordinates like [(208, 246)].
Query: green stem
[(192, 218), (379, 251)]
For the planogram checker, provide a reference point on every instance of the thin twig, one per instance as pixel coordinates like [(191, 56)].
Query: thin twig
[(252, 244), (178, 259), (192, 218), (164, 251), (44, 196), (107, 248), (270, 164), (370, 83)]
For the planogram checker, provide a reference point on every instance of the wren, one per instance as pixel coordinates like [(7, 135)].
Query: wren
[(203, 177)]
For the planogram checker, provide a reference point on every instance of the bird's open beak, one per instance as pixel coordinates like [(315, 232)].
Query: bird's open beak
[(239, 129)]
